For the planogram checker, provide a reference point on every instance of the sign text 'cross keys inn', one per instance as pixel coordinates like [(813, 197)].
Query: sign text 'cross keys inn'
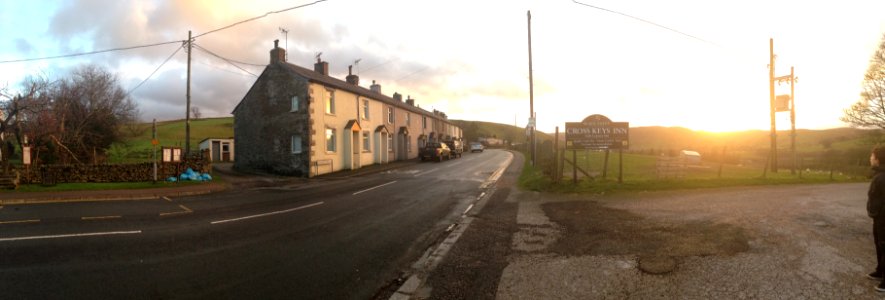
[(597, 132)]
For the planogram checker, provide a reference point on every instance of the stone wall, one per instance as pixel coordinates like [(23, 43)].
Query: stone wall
[(264, 123), (52, 174)]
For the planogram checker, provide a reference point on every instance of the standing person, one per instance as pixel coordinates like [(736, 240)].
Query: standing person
[(876, 210)]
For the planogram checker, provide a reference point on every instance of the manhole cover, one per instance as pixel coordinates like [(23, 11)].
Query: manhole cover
[(657, 264)]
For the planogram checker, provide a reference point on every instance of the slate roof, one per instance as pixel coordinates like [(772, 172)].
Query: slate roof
[(313, 76)]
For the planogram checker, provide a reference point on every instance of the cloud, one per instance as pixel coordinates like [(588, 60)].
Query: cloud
[(23, 46)]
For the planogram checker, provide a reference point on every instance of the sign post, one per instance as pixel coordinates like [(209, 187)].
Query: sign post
[(597, 132)]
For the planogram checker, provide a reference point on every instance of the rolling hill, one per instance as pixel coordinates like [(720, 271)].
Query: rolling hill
[(657, 139)]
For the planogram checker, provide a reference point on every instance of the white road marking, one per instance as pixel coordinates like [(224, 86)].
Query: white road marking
[(422, 173), (39, 237), (266, 214), (375, 187), (167, 199), (497, 175), (468, 209)]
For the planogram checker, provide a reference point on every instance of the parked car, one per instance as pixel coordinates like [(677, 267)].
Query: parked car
[(435, 151), (476, 147), (456, 147)]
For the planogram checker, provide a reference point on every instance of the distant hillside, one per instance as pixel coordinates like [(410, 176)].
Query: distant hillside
[(642, 138), (857, 142), (169, 133), (476, 129)]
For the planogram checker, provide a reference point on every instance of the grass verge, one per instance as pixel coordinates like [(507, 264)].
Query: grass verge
[(102, 186), (532, 178)]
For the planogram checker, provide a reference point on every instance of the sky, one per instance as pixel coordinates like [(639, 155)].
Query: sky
[(469, 59)]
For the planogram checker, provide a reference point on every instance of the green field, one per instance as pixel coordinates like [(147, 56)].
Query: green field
[(640, 173), (169, 133)]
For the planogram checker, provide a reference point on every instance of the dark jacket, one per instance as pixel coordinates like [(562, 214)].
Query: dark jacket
[(876, 195)]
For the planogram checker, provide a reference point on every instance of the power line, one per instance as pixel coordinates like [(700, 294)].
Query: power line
[(155, 71), (224, 59), (413, 73), (89, 53), (646, 21), (261, 16)]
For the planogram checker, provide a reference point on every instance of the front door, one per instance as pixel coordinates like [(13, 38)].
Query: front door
[(216, 151)]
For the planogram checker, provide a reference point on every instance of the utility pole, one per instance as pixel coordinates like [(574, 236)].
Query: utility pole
[(773, 154), (531, 91), (187, 113), (154, 148), (792, 120)]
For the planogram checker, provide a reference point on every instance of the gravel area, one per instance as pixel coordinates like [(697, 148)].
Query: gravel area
[(777, 242)]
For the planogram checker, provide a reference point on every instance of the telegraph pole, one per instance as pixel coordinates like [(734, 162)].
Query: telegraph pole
[(773, 153), (187, 113), (531, 91), (154, 148), (793, 120)]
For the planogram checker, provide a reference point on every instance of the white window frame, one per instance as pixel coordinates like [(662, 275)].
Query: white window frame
[(296, 144), (330, 102), (408, 118), (424, 122), (366, 110), (390, 116), (367, 141), (389, 143), (333, 139), (296, 104)]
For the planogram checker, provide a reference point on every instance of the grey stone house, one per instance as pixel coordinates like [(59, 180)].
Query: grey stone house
[(303, 122)]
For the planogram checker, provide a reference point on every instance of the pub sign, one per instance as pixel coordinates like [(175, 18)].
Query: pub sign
[(597, 132)]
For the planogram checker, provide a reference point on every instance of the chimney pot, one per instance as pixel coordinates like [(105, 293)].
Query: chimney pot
[(321, 67), (352, 79), (277, 54), (375, 87)]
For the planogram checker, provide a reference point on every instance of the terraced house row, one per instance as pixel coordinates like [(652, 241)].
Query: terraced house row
[(303, 122)]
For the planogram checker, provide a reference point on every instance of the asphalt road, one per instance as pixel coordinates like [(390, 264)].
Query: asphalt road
[(348, 238)]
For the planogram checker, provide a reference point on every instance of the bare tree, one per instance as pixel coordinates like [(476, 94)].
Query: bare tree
[(87, 113), (869, 111), (18, 106), (195, 112)]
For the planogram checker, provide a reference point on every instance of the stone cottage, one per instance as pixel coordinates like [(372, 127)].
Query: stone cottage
[(302, 122)]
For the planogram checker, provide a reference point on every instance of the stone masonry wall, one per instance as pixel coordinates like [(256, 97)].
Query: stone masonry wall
[(264, 124)]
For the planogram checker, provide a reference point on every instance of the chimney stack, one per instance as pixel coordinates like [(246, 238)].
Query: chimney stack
[(277, 54), (321, 67), (410, 101), (352, 79), (398, 97), (375, 87)]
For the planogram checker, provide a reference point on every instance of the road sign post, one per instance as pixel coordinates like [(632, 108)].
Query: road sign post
[(597, 132)]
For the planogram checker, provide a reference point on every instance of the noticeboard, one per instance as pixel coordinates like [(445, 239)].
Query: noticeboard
[(597, 132)]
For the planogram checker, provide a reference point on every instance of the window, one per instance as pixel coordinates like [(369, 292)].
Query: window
[(365, 109), (424, 122), (408, 118), (390, 143), (390, 114), (296, 144), (330, 140), (276, 145), (330, 102), (295, 104), (366, 146), (409, 144)]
